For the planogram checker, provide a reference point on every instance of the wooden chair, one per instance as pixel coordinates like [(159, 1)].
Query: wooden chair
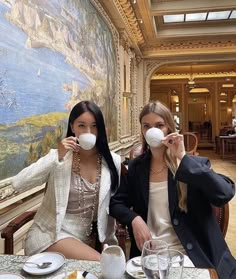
[(191, 143), (222, 216), (8, 232), (12, 227)]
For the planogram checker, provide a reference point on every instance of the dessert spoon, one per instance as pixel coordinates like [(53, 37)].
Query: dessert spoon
[(39, 265)]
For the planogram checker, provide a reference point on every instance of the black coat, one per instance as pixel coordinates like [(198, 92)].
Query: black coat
[(197, 230)]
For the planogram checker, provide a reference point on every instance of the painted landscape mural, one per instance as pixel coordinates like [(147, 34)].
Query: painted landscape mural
[(53, 54)]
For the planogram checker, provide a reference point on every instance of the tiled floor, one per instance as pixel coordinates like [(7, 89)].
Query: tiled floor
[(226, 167)]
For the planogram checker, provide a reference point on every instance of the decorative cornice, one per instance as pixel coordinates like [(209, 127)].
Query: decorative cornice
[(127, 13), (124, 40), (196, 75), (190, 46)]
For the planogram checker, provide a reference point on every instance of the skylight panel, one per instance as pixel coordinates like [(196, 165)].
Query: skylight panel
[(173, 18), (196, 17), (218, 15), (233, 15)]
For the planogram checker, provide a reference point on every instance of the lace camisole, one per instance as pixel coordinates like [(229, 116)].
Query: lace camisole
[(77, 220)]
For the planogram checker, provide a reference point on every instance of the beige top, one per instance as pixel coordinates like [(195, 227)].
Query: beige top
[(158, 219), (87, 199)]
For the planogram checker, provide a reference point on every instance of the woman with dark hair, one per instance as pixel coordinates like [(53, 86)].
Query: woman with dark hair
[(168, 196), (80, 175)]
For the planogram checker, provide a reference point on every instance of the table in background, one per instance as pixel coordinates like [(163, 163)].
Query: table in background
[(7, 264), (226, 146)]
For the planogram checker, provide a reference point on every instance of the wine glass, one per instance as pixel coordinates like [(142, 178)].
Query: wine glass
[(149, 257), (170, 264)]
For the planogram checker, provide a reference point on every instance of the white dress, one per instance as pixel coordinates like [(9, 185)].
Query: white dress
[(77, 221)]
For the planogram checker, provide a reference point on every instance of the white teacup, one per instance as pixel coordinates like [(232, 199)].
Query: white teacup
[(113, 262), (87, 141), (154, 137)]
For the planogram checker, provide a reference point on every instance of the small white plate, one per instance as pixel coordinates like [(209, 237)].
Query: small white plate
[(133, 270), (79, 275), (56, 259), (10, 276)]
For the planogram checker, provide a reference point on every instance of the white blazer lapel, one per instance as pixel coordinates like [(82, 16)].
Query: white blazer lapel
[(105, 182), (62, 184)]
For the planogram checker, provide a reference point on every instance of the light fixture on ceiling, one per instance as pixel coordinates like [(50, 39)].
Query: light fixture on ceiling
[(191, 83), (134, 1), (229, 85), (200, 90)]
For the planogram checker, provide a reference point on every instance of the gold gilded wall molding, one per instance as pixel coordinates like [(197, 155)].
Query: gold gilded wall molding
[(150, 67), (124, 40), (190, 47), (134, 85), (127, 13), (196, 75)]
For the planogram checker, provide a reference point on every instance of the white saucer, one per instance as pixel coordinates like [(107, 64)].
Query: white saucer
[(79, 275), (10, 276), (133, 270), (56, 259)]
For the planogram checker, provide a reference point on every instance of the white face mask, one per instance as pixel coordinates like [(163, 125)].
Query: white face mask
[(154, 137), (87, 141)]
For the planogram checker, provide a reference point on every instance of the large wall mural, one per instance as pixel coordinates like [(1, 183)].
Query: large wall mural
[(53, 54)]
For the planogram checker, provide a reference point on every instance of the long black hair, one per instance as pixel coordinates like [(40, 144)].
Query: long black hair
[(101, 142)]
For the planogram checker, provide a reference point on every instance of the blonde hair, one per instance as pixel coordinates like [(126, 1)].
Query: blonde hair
[(171, 161)]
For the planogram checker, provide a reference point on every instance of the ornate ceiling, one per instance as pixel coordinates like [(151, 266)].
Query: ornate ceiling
[(212, 45), (143, 21)]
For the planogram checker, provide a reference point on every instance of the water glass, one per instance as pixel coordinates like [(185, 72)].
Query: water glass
[(170, 264), (149, 257)]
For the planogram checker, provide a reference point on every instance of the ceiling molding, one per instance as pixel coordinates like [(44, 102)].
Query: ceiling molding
[(159, 76), (183, 48), (127, 12), (155, 40)]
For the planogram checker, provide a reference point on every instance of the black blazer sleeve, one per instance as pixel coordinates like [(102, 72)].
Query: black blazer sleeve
[(196, 172), (121, 203)]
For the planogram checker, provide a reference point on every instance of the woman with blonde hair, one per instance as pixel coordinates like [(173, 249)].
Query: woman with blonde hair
[(168, 194)]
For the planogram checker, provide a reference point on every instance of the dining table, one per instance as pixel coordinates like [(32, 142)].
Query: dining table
[(227, 146), (13, 264)]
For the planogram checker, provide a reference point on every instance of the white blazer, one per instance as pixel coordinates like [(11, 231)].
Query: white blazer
[(49, 217)]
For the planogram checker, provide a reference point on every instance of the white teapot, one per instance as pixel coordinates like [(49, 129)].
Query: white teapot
[(113, 262)]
